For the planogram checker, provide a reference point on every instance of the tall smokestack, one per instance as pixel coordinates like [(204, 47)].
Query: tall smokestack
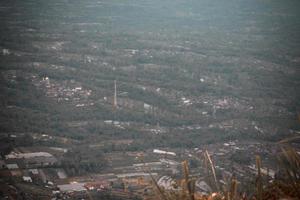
[(115, 96)]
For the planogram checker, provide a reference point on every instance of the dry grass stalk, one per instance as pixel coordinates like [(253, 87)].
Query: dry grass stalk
[(289, 160), (188, 183), (233, 189), (259, 184), (287, 140), (212, 168)]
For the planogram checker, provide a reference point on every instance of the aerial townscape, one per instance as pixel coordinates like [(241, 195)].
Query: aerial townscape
[(145, 99)]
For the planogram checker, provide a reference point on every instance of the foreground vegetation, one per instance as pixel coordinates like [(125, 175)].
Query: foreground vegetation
[(286, 184)]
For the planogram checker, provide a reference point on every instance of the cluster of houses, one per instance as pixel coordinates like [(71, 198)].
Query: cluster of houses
[(66, 91)]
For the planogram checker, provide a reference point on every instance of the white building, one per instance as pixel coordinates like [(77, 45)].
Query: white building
[(164, 152)]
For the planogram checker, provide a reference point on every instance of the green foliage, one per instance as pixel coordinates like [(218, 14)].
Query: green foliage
[(81, 161)]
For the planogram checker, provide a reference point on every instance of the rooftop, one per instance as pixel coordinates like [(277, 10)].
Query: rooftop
[(14, 155)]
